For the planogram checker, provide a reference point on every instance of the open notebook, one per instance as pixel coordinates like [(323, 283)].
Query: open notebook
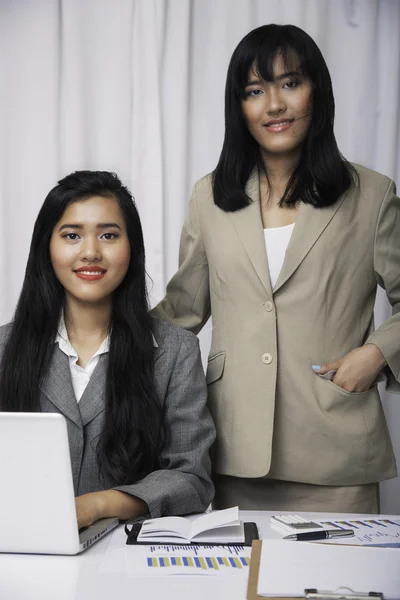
[(219, 527)]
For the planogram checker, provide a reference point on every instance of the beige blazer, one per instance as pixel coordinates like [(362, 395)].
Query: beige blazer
[(273, 414)]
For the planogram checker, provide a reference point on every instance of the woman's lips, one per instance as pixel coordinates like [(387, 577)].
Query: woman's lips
[(90, 274), (278, 126)]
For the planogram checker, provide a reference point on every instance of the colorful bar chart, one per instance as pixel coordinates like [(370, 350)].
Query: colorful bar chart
[(357, 524), (200, 562), (373, 532)]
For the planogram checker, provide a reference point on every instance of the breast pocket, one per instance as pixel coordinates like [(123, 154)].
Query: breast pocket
[(215, 367)]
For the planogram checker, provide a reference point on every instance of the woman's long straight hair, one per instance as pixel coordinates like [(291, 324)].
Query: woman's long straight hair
[(129, 444), (322, 174)]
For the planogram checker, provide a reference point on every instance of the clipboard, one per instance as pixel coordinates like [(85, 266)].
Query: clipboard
[(309, 594), (254, 571), (250, 534)]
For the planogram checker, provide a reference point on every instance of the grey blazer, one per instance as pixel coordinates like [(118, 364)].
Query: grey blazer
[(183, 484)]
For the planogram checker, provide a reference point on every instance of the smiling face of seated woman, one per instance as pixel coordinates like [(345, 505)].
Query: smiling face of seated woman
[(90, 250)]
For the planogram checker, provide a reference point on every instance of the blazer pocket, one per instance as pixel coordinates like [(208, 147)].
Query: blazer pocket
[(215, 367), (328, 377)]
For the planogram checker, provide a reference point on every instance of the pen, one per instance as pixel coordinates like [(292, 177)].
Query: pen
[(325, 534)]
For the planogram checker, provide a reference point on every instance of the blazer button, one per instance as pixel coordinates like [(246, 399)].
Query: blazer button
[(266, 358), (268, 306)]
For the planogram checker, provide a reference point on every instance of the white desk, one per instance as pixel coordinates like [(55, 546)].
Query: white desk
[(35, 577)]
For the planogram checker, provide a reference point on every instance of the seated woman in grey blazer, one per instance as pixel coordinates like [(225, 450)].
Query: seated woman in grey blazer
[(284, 246), (82, 343)]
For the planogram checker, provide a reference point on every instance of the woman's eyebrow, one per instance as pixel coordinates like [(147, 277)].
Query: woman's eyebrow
[(278, 78), (99, 226), (288, 74), (105, 225), (70, 226), (254, 82)]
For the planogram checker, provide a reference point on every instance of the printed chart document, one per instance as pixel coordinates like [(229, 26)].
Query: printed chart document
[(327, 568), (217, 527), (370, 531), (166, 560)]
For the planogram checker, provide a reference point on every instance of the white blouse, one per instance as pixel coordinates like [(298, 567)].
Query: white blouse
[(276, 242), (80, 376)]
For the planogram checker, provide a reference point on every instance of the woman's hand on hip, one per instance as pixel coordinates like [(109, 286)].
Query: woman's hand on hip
[(357, 370)]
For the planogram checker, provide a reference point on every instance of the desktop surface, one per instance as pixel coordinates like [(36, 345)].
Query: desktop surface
[(86, 577)]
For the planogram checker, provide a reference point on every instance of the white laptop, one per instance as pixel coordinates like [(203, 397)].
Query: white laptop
[(37, 504)]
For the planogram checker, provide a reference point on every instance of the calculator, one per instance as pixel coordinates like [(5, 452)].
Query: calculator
[(294, 523)]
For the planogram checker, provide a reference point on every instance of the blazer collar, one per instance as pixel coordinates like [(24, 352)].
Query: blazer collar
[(57, 386), (248, 224), (310, 224), (92, 402)]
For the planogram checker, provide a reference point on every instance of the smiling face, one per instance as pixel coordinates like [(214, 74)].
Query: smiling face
[(90, 250), (278, 112)]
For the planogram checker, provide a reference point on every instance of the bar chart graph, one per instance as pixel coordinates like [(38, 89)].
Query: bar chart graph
[(194, 557), (199, 562), (371, 532)]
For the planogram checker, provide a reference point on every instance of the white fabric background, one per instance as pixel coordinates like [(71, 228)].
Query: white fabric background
[(137, 86)]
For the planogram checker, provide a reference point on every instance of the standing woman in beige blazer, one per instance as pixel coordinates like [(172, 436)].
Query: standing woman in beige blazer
[(284, 245)]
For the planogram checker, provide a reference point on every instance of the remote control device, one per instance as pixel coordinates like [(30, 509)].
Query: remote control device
[(294, 523)]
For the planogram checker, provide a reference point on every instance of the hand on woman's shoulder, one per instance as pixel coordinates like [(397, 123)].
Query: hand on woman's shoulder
[(170, 336)]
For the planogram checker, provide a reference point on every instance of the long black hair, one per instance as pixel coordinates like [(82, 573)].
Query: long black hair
[(128, 447), (322, 174)]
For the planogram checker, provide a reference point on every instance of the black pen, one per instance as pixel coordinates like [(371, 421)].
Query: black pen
[(324, 534)]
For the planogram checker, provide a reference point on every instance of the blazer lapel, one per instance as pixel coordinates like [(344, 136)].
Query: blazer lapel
[(92, 401), (248, 224), (310, 224), (57, 386), (158, 350)]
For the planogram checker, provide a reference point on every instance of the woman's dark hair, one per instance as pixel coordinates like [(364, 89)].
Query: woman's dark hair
[(124, 454), (322, 173)]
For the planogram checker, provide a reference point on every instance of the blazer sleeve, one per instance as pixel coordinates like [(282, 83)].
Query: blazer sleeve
[(183, 485), (187, 299), (387, 271)]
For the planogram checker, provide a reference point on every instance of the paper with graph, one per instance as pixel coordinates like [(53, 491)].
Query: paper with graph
[(165, 560), (373, 531)]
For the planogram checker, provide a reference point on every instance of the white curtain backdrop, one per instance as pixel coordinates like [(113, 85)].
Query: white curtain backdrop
[(137, 86)]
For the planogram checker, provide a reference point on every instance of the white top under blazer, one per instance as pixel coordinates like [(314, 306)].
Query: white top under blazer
[(276, 242), (80, 375)]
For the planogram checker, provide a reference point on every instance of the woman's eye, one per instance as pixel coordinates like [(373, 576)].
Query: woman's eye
[(253, 93), (290, 85), (71, 236), (109, 236)]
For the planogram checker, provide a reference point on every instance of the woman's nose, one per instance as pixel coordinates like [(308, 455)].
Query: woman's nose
[(275, 103), (90, 250)]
